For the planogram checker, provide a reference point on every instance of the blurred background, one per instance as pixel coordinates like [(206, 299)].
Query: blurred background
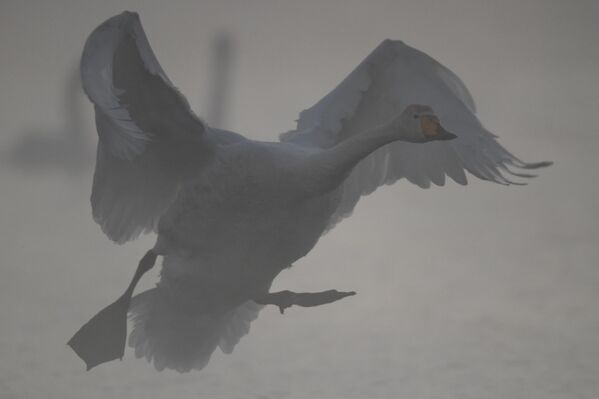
[(481, 291)]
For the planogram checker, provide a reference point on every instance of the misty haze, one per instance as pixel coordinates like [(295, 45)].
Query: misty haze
[(347, 258)]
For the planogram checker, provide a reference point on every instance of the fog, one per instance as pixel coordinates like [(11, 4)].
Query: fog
[(481, 291)]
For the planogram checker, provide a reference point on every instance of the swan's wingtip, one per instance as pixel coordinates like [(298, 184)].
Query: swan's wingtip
[(129, 14), (537, 165), (392, 42)]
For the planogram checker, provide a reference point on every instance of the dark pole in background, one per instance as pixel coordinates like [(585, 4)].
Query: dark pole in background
[(220, 83)]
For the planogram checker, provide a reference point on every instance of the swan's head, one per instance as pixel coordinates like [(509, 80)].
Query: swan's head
[(418, 123)]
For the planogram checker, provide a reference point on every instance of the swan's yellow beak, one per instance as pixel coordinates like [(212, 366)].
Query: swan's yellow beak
[(429, 125), (432, 129)]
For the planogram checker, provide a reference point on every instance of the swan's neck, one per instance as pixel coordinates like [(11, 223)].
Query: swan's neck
[(327, 169)]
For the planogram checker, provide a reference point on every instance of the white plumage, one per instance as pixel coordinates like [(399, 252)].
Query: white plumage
[(231, 213)]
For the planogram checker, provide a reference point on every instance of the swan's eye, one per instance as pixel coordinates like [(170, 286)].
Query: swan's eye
[(416, 116)]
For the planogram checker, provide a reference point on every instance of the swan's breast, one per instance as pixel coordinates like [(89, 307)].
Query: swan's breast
[(244, 209)]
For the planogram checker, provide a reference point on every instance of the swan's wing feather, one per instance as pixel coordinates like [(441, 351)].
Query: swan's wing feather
[(238, 325), (128, 197), (392, 77), (148, 136)]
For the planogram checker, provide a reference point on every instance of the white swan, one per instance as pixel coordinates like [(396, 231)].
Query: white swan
[(230, 212)]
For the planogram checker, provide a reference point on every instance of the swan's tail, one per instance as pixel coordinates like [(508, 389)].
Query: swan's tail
[(174, 337)]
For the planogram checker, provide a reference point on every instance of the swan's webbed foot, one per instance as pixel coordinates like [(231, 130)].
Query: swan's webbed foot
[(103, 337), (286, 299)]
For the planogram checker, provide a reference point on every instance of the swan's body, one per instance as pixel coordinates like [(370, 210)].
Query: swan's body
[(241, 221), (231, 213)]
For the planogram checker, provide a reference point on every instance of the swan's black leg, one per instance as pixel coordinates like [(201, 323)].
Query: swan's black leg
[(103, 337), (285, 299)]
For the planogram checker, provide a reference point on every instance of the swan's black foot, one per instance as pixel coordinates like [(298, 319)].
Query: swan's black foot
[(102, 339), (286, 299)]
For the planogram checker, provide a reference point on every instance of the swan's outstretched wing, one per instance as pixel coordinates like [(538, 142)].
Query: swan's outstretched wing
[(148, 136), (392, 77)]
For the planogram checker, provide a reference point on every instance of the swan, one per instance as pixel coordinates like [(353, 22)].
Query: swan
[(231, 213)]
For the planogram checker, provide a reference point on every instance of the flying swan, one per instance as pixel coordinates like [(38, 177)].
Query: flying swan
[(231, 213)]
